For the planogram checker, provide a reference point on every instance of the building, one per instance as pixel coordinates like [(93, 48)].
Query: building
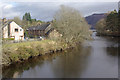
[(39, 30), (12, 30)]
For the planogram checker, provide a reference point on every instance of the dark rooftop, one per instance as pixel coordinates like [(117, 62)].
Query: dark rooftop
[(39, 27), (6, 23)]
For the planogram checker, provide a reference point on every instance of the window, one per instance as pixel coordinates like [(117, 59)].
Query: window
[(16, 30), (20, 29)]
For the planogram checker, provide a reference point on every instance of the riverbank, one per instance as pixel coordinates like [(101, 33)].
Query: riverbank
[(18, 67), (18, 52), (79, 62), (110, 35)]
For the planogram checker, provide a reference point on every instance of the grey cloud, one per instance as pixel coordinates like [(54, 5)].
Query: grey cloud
[(90, 8), (46, 10)]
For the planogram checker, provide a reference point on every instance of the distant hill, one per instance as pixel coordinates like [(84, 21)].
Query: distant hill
[(94, 18)]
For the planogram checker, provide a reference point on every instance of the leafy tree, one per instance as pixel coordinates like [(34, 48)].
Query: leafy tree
[(27, 17), (109, 25), (73, 27), (101, 26), (112, 21), (33, 20), (119, 19), (27, 21)]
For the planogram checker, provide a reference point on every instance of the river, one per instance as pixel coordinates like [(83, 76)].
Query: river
[(92, 59)]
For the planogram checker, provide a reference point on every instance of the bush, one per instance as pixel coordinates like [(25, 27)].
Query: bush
[(8, 39), (72, 26), (21, 51), (14, 57)]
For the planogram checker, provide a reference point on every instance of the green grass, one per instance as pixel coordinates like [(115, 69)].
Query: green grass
[(24, 50), (8, 39)]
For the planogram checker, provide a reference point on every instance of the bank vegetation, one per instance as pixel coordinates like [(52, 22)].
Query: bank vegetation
[(109, 26), (70, 28)]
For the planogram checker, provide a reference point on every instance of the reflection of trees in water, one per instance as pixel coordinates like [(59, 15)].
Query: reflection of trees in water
[(113, 51), (113, 39), (114, 46), (119, 62), (18, 68), (0, 71), (68, 64), (72, 63)]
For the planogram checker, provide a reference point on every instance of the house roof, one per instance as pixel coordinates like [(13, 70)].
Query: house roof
[(39, 27), (6, 23)]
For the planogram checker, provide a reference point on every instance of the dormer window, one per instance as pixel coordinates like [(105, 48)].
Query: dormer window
[(16, 30)]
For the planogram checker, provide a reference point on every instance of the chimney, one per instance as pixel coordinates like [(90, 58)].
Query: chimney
[(4, 21)]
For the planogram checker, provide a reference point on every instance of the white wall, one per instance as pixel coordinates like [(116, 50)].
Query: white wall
[(5, 32), (17, 35)]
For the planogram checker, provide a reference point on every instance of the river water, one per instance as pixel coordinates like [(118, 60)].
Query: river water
[(92, 59)]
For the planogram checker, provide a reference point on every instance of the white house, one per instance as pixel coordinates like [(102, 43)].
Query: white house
[(12, 30)]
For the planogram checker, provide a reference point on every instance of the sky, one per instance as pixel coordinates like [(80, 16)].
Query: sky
[(45, 9)]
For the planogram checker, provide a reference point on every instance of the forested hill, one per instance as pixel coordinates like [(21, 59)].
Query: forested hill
[(94, 18)]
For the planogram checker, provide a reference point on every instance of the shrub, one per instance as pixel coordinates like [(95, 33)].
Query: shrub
[(69, 22), (23, 52), (8, 39)]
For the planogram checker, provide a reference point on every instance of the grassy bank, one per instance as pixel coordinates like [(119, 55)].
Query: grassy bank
[(109, 34), (69, 29), (16, 52)]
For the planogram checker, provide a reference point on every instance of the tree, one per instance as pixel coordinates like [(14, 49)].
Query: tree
[(109, 25), (112, 21), (119, 20), (101, 26), (18, 20), (68, 22), (27, 17)]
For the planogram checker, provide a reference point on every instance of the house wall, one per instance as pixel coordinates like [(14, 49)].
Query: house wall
[(36, 33), (5, 32), (18, 35), (48, 28)]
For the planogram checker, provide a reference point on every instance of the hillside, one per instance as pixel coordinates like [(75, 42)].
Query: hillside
[(94, 18)]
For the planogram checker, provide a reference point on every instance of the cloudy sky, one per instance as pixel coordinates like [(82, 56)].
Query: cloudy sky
[(45, 10)]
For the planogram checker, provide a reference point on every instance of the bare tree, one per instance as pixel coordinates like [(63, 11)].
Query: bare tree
[(17, 20), (101, 26), (71, 24)]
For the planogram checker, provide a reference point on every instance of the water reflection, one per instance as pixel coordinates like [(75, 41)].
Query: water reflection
[(72, 64), (69, 63), (112, 51), (9, 72), (93, 59), (113, 46)]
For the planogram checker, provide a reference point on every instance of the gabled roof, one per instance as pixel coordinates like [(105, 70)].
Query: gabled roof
[(6, 23), (39, 27)]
